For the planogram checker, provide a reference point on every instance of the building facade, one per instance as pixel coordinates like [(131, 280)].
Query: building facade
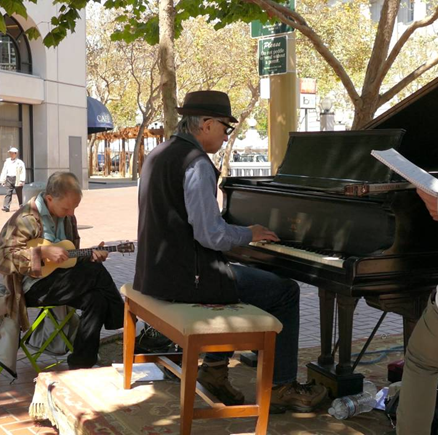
[(43, 103)]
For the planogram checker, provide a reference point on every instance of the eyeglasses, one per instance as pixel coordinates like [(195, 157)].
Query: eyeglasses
[(228, 130)]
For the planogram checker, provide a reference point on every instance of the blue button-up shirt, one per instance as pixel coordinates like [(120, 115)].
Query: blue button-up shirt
[(209, 227)]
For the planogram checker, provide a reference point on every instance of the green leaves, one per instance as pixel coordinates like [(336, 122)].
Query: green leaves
[(148, 31), (138, 18), (65, 22), (14, 7), (2, 24), (33, 33)]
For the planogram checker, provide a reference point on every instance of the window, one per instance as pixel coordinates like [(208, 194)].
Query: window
[(14, 48), (8, 54), (406, 11)]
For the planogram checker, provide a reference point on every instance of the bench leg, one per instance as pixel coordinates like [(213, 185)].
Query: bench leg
[(265, 371), (188, 387), (128, 345)]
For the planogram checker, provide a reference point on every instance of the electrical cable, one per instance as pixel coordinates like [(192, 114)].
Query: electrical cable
[(382, 354)]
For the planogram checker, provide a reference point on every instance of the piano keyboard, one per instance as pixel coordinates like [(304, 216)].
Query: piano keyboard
[(300, 253)]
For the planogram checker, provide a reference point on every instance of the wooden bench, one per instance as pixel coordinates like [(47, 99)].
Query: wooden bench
[(198, 328)]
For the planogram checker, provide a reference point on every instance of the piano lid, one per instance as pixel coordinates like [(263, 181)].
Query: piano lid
[(328, 160), (418, 115)]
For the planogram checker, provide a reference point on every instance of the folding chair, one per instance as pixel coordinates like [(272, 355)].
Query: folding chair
[(46, 311)]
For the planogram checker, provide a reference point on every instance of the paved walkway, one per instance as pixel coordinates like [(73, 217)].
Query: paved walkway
[(110, 215)]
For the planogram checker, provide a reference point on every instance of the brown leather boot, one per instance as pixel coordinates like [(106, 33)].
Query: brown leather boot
[(214, 377), (297, 397)]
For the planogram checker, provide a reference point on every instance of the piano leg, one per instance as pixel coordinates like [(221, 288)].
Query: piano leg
[(339, 379), (346, 306), (326, 311)]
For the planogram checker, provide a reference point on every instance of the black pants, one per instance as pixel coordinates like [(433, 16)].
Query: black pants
[(10, 185), (89, 287)]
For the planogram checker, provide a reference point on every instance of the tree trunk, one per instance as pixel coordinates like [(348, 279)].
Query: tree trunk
[(123, 158), (167, 65), (95, 157), (141, 156), (107, 158), (365, 113), (138, 142)]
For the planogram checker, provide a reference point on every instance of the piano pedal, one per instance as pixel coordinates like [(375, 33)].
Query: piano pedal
[(249, 358)]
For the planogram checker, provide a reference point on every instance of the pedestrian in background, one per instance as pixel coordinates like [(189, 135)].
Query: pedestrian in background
[(13, 177)]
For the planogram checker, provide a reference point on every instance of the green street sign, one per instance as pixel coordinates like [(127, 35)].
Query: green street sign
[(258, 29), (273, 56)]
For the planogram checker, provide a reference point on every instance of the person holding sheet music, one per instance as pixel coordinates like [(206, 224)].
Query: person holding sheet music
[(418, 393), (87, 286)]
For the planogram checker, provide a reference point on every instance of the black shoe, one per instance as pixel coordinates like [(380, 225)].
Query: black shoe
[(5, 209), (150, 340)]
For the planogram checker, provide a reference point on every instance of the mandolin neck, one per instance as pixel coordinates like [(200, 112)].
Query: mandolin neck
[(76, 253)]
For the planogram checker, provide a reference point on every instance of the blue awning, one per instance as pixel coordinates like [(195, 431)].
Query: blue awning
[(98, 116)]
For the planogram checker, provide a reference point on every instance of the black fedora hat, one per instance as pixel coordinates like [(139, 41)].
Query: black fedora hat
[(207, 103)]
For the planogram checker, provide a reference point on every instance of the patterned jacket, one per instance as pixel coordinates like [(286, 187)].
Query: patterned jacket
[(17, 260)]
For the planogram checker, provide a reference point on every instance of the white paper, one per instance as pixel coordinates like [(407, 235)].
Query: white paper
[(414, 174), (143, 372)]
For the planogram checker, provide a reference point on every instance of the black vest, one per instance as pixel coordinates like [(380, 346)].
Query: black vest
[(171, 264)]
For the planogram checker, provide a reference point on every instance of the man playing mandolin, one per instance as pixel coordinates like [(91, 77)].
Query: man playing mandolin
[(87, 286)]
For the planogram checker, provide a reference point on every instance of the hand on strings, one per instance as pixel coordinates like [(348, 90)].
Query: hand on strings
[(56, 254), (99, 256), (431, 202), (260, 233)]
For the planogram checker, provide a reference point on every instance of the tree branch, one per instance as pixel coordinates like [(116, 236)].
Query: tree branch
[(373, 79), (296, 21), (406, 81), (404, 38)]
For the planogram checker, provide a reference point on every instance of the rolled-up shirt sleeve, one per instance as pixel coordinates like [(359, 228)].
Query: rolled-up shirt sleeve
[(209, 228)]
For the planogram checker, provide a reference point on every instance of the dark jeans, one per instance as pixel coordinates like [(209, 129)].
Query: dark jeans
[(89, 287), (10, 185), (281, 298)]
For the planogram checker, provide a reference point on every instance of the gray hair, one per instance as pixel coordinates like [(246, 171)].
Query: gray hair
[(190, 124), (60, 184)]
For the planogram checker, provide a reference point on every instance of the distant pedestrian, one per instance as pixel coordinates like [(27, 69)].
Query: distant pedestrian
[(236, 156), (13, 177)]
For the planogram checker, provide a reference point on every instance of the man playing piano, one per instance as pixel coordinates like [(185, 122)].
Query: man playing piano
[(420, 373), (181, 236)]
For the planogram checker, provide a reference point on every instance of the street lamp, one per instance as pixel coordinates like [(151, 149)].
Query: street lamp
[(327, 117), (326, 104)]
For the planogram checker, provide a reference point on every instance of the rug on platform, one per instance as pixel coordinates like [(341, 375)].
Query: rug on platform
[(93, 401)]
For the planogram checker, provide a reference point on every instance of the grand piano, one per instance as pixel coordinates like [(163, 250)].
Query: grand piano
[(348, 225)]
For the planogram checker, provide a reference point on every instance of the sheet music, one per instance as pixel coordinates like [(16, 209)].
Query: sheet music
[(417, 176)]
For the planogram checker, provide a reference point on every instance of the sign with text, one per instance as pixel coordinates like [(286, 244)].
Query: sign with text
[(307, 86), (307, 101), (259, 30), (273, 56)]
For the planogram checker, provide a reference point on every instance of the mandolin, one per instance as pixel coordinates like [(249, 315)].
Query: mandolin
[(48, 266)]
